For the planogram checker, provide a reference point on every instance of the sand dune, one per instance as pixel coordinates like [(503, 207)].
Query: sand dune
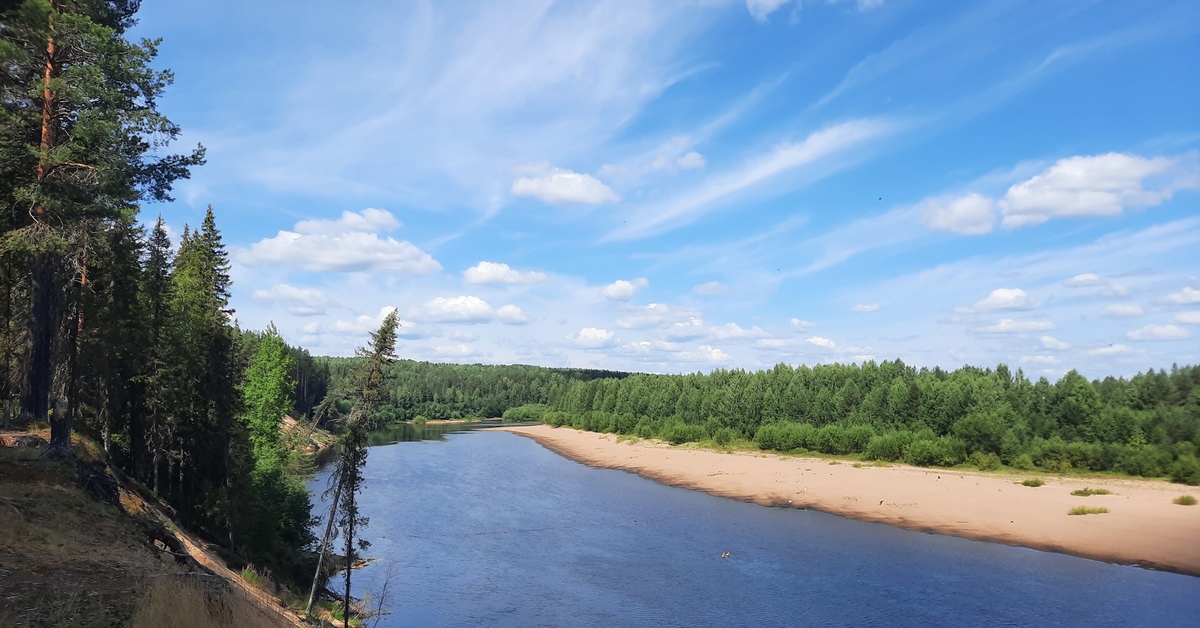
[(1142, 527)]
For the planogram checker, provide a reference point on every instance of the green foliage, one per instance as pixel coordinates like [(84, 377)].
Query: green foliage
[(526, 412), (984, 461), (1085, 510), (1034, 482), (1088, 492), (421, 419), (1186, 470), (1185, 500), (678, 433)]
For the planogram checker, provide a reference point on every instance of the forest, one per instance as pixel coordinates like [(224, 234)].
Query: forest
[(107, 327), (1148, 425)]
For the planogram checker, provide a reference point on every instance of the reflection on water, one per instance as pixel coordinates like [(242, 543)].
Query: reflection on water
[(409, 432)]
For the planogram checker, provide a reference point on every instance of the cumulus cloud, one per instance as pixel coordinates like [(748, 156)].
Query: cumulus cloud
[(557, 186), (762, 9), (973, 214), (1080, 187), (1006, 299), (710, 289), (691, 161), (361, 324), (593, 337), (1122, 310), (821, 342), (298, 301), (511, 315), (705, 353), (349, 244), (1084, 280), (464, 309), (1186, 296), (622, 290), (1115, 349), (492, 272), (864, 308), (1188, 318), (1050, 342), (1039, 359), (732, 331), (686, 330), (1010, 326), (1159, 332), (802, 325), (656, 315)]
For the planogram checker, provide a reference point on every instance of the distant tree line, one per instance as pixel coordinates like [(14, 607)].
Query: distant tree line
[(1148, 425)]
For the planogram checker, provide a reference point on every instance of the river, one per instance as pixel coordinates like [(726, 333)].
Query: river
[(487, 528)]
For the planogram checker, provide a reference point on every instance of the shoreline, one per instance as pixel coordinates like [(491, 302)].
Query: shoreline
[(1143, 527)]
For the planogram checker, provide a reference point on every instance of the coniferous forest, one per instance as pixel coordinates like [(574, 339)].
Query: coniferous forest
[(109, 330)]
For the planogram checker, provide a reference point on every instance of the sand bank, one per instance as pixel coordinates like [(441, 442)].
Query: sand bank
[(1142, 527)]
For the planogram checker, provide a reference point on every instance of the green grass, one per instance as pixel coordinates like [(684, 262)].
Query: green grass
[(1034, 482), (1185, 500), (1084, 510), (1088, 492)]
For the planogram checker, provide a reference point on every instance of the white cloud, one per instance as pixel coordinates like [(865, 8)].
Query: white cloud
[(1007, 299), (593, 337), (862, 5), (457, 351), (348, 244), (1078, 187), (686, 330), (656, 315), (1159, 332), (973, 214), (1010, 326), (1189, 318), (1039, 359), (1122, 310), (1050, 342), (557, 186), (1185, 296), (706, 353), (492, 272), (821, 342), (690, 161), (1086, 279), (801, 325), (464, 309), (710, 289), (732, 331), (369, 220), (863, 308), (1116, 349), (762, 9), (298, 301), (622, 290), (361, 324), (511, 315)]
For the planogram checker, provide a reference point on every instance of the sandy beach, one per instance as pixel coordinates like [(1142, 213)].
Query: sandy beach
[(1143, 526)]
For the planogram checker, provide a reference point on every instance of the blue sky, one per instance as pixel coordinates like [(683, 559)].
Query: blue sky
[(681, 186)]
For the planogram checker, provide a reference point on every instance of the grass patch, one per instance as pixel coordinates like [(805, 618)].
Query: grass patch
[(1088, 492), (858, 465), (833, 462), (1033, 482), (1084, 510), (1185, 500), (628, 438)]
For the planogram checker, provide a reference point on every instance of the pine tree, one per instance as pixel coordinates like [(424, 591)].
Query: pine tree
[(80, 141)]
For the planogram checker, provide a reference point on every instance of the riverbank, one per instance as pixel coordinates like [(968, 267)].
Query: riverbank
[(1142, 526)]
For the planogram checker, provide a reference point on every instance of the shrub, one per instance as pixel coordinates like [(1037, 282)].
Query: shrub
[(1084, 510), (923, 453), (1034, 482), (679, 433), (725, 435), (1088, 492), (1023, 462), (858, 438), (985, 461), (421, 419), (832, 439), (1186, 470), (1185, 500), (888, 446)]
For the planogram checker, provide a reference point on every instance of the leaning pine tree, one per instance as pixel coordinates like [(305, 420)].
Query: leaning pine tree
[(367, 394)]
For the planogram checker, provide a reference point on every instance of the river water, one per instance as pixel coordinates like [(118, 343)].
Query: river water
[(488, 528)]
